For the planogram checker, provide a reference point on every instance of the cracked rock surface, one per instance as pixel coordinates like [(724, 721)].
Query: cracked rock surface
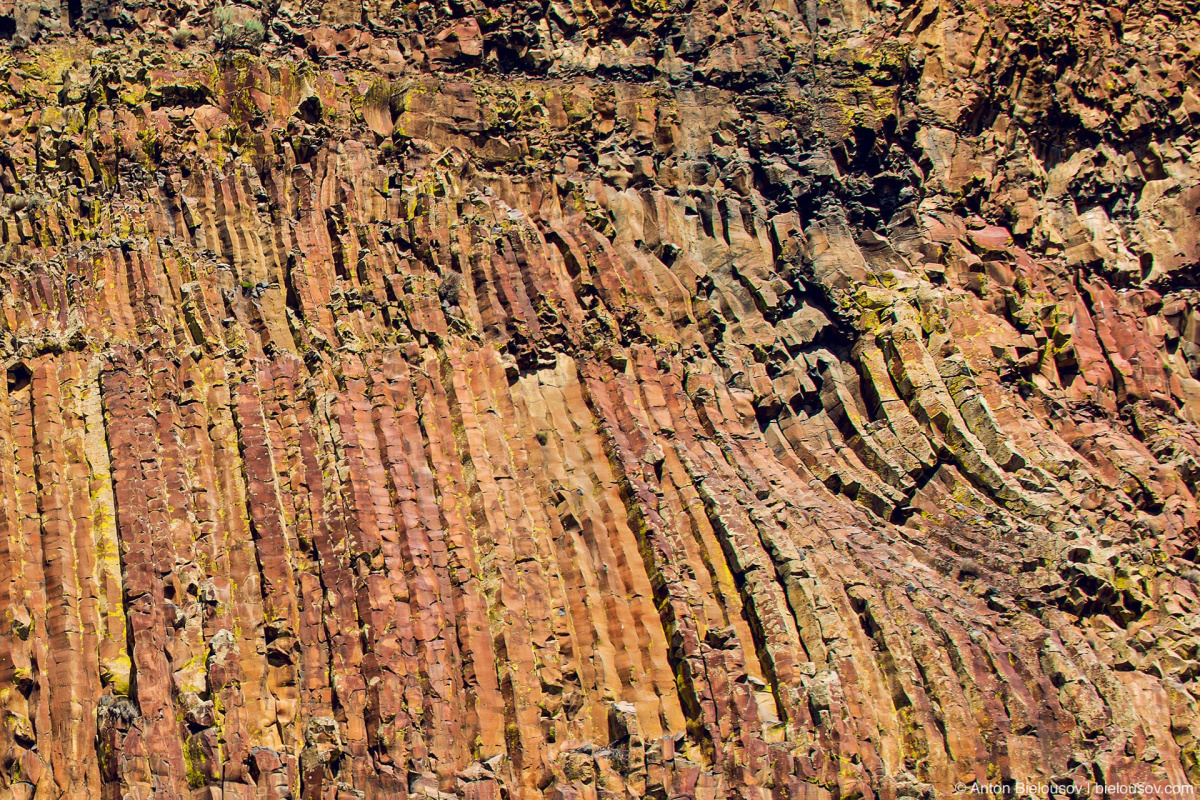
[(492, 400)]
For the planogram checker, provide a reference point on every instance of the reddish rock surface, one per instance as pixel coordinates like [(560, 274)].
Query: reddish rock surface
[(572, 401)]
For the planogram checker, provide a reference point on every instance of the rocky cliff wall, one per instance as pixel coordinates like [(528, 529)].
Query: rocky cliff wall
[(567, 400)]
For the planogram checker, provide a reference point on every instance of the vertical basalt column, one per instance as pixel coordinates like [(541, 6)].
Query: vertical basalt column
[(65, 511), (157, 757)]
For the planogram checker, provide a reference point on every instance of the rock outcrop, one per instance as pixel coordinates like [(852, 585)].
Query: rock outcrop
[(598, 399)]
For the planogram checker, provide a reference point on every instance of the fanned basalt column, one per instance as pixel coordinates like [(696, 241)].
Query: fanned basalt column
[(572, 401)]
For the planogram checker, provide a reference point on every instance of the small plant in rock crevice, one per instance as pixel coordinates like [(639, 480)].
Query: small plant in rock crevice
[(237, 27)]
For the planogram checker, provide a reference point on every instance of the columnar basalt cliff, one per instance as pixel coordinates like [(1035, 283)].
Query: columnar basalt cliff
[(605, 399)]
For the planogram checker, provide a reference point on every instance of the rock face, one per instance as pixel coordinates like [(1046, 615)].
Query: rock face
[(489, 399)]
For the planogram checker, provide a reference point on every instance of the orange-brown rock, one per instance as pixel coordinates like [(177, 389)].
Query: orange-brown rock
[(598, 400)]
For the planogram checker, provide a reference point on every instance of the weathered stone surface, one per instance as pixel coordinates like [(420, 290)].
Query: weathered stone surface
[(580, 400)]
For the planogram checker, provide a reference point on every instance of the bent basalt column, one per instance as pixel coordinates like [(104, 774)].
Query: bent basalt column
[(676, 400)]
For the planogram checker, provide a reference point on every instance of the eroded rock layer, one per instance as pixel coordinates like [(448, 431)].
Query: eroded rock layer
[(515, 400)]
